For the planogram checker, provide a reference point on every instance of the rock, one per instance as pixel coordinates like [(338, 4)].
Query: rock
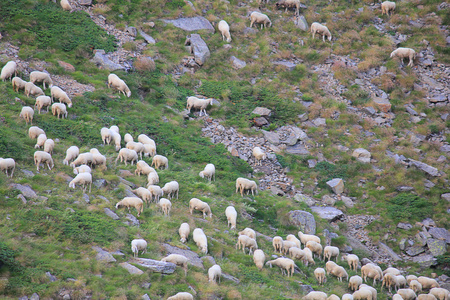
[(131, 269), (389, 251), (192, 24), (34, 297), (362, 155), (237, 63), (127, 183), (336, 185), (306, 199), (156, 265), (440, 234), (328, 200), (262, 111), (249, 31), (193, 258), (303, 117), (304, 220), (402, 244), (416, 139), (208, 260), (287, 64), (383, 104), (439, 98), (102, 61), (405, 226), (446, 196), (197, 46), (437, 247), (51, 277), (86, 198), (147, 37), (414, 250), (132, 220), (276, 191), (298, 149), (233, 151), (366, 261), (428, 222), (26, 191), (347, 201), (329, 236), (424, 167), (370, 110), (445, 148), (22, 198), (271, 137), (328, 213), (422, 237), (404, 188), (99, 183), (260, 121), (103, 255), (301, 23), (68, 67), (131, 30), (312, 163), (111, 214), (145, 297), (146, 285), (27, 173), (425, 261), (230, 278), (85, 2), (319, 122)]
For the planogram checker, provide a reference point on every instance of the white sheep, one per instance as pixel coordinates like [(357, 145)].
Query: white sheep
[(143, 193), (66, 5), (37, 76), (319, 273), (231, 214), (393, 271), (362, 294), (407, 294), (83, 179), (57, 93), (171, 188), (165, 205), (297, 253), (155, 191), (284, 264), (401, 280), (136, 146), (370, 271), (97, 158), (40, 141), (440, 293), (152, 178), (120, 85), (160, 161), (184, 231), (246, 242), (49, 144), (427, 283), (178, 259), (43, 157), (315, 295), (34, 132), (59, 109), (198, 204), (308, 258), (315, 247), (71, 153), (8, 70), (181, 296), (293, 238), (347, 297), (333, 297), (149, 150), (289, 4), (398, 297), (200, 240), (27, 114), (405, 53), (126, 155), (115, 128), (424, 297), (243, 184), (286, 246), (106, 134), (259, 18), (143, 168), (352, 260), (415, 286), (41, 102), (201, 104), (138, 245), (387, 8), (354, 282), (277, 243), (209, 172), (144, 139), (85, 158), (127, 138), (259, 258), (329, 265), (330, 251), (339, 272), (371, 289), (214, 273), (259, 155), (248, 232), (320, 29), (18, 84), (224, 29), (410, 277), (7, 164), (131, 202), (82, 169), (31, 89)]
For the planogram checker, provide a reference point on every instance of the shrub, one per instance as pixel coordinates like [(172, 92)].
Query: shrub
[(409, 206), (7, 258)]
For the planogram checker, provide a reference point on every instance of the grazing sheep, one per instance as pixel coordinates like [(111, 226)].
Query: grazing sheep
[(83, 179), (155, 191), (152, 179), (198, 204), (33, 90), (8, 70), (160, 161), (181, 296), (297, 253), (115, 128), (246, 242), (405, 53), (127, 155), (352, 260), (43, 157), (59, 109), (97, 158), (149, 150), (231, 214), (370, 271), (315, 247), (329, 265), (34, 132), (27, 114), (259, 18), (425, 297), (315, 295), (410, 277), (214, 273), (144, 139), (66, 5), (415, 286), (286, 246), (165, 205), (259, 155), (354, 282), (387, 8), (259, 258), (18, 84), (347, 297), (209, 172), (138, 244), (131, 202), (407, 294), (37, 76), (371, 289), (171, 188), (85, 158), (243, 184), (116, 139), (57, 93), (40, 141), (143, 168), (49, 145), (136, 146), (71, 153), (295, 4), (7, 164), (304, 238), (201, 104), (308, 258), (320, 29), (106, 134), (440, 293), (82, 169), (119, 84), (248, 232), (339, 272), (143, 193), (277, 243), (330, 251), (200, 239), (401, 280), (293, 238), (427, 283), (179, 260), (224, 29), (362, 294), (319, 273), (284, 264), (397, 297), (127, 138), (393, 271), (333, 297), (41, 102), (184, 231)]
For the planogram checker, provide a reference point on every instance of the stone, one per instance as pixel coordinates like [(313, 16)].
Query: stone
[(237, 63), (362, 155), (425, 261), (233, 151), (146, 285), (383, 104), (249, 31), (197, 46), (276, 191), (99, 183), (440, 233), (35, 296), (103, 255), (437, 247), (290, 66), (319, 122), (306, 199), (301, 23), (26, 191), (428, 222), (445, 148), (329, 236), (260, 121), (131, 30), (102, 61), (365, 261), (303, 117), (271, 137), (86, 198), (156, 265), (347, 201), (389, 251), (304, 220), (422, 237), (128, 183), (446, 197), (145, 297), (150, 40), (262, 111), (328, 200), (132, 220), (312, 163), (416, 139), (414, 250), (27, 173), (131, 269), (297, 149), (209, 260), (404, 188), (405, 226), (424, 167), (111, 214), (230, 278), (192, 24), (66, 66), (51, 277), (22, 198), (85, 2), (336, 185), (370, 110), (439, 98), (193, 258), (402, 244), (328, 213)]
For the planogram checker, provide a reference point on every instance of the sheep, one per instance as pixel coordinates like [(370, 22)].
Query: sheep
[(415, 286), (405, 53), (8, 70), (243, 184), (59, 109), (224, 29), (118, 84), (401, 280), (214, 273), (427, 283), (259, 18), (181, 296), (283, 263), (330, 251), (85, 158), (106, 134), (40, 141), (179, 260), (319, 273), (71, 153), (315, 247), (82, 169), (397, 297), (27, 114), (198, 204), (320, 29), (315, 295), (209, 172), (155, 192), (370, 271), (289, 4), (259, 258), (34, 132), (426, 297), (363, 293), (201, 104), (144, 139), (49, 145), (304, 238), (152, 179), (115, 128), (37, 76), (329, 265), (83, 179), (352, 260), (231, 214), (308, 258), (354, 282), (333, 297), (18, 84), (127, 138), (160, 161), (407, 294), (387, 8), (149, 150), (293, 238), (277, 243), (43, 157), (296, 253), (248, 232), (347, 297), (41, 102), (374, 291), (138, 244), (165, 205), (57, 93), (410, 277), (97, 158), (184, 231), (339, 272), (143, 193), (246, 242), (143, 168), (286, 246), (393, 271), (138, 147), (259, 155), (7, 164), (200, 239), (127, 155), (31, 89), (171, 188), (131, 202), (440, 293), (66, 5)]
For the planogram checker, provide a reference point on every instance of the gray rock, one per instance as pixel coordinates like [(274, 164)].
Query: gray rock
[(237, 63), (128, 183), (147, 37), (287, 64), (99, 183), (304, 220), (428, 222), (103, 255), (34, 297), (193, 258), (312, 163), (85, 2), (197, 46), (262, 111), (424, 167), (329, 236), (146, 285), (132, 220), (230, 278), (51, 277), (405, 226), (389, 251), (440, 234), (156, 265), (347, 201), (303, 117), (370, 110), (328, 200), (422, 237), (428, 184), (445, 148), (437, 247), (26, 191), (411, 111), (301, 23), (402, 244), (383, 104), (260, 121), (131, 269), (404, 188), (328, 213), (446, 197), (297, 149), (111, 214), (128, 192), (416, 139), (336, 185), (249, 31), (276, 191), (319, 122), (366, 261), (362, 155), (131, 30), (102, 61), (192, 24), (209, 260), (306, 199), (415, 250), (145, 297), (27, 173), (86, 198), (425, 261), (439, 98), (22, 198), (271, 137)]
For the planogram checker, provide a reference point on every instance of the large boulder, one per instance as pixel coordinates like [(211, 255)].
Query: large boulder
[(156, 265), (237, 63), (262, 111), (271, 137), (147, 38), (103, 255), (389, 251), (437, 247), (131, 269), (102, 61), (25, 190), (192, 24), (297, 149), (328, 213), (336, 185), (304, 220), (440, 233), (192, 257), (301, 23), (197, 46), (362, 155), (383, 104), (424, 167)]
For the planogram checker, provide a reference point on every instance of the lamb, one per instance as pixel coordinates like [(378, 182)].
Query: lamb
[(393, 271), (259, 18), (138, 244), (27, 114), (165, 205), (231, 214), (387, 8), (7, 164), (315, 247), (57, 93), (97, 158), (304, 238), (339, 272), (43, 157), (258, 258), (181, 296), (410, 277), (209, 172), (407, 294), (224, 29), (283, 263), (143, 193), (171, 188), (246, 242), (363, 293), (119, 84), (277, 243), (18, 84), (85, 158), (297, 253), (127, 155), (243, 184), (354, 282), (66, 5), (184, 231), (347, 297), (198, 204), (405, 53), (440, 293), (59, 109), (415, 286), (286, 246), (259, 155), (8, 70), (370, 271), (201, 104), (330, 251), (320, 29), (71, 153), (160, 161), (49, 145), (293, 238), (136, 146), (179, 260), (107, 135), (373, 290), (131, 202), (34, 132), (319, 273), (427, 283), (155, 191), (31, 89), (83, 179), (143, 168), (82, 169), (289, 4), (200, 239), (426, 297), (152, 179), (37, 76), (248, 232), (352, 260), (127, 138), (214, 273), (40, 141), (315, 295), (41, 102)]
